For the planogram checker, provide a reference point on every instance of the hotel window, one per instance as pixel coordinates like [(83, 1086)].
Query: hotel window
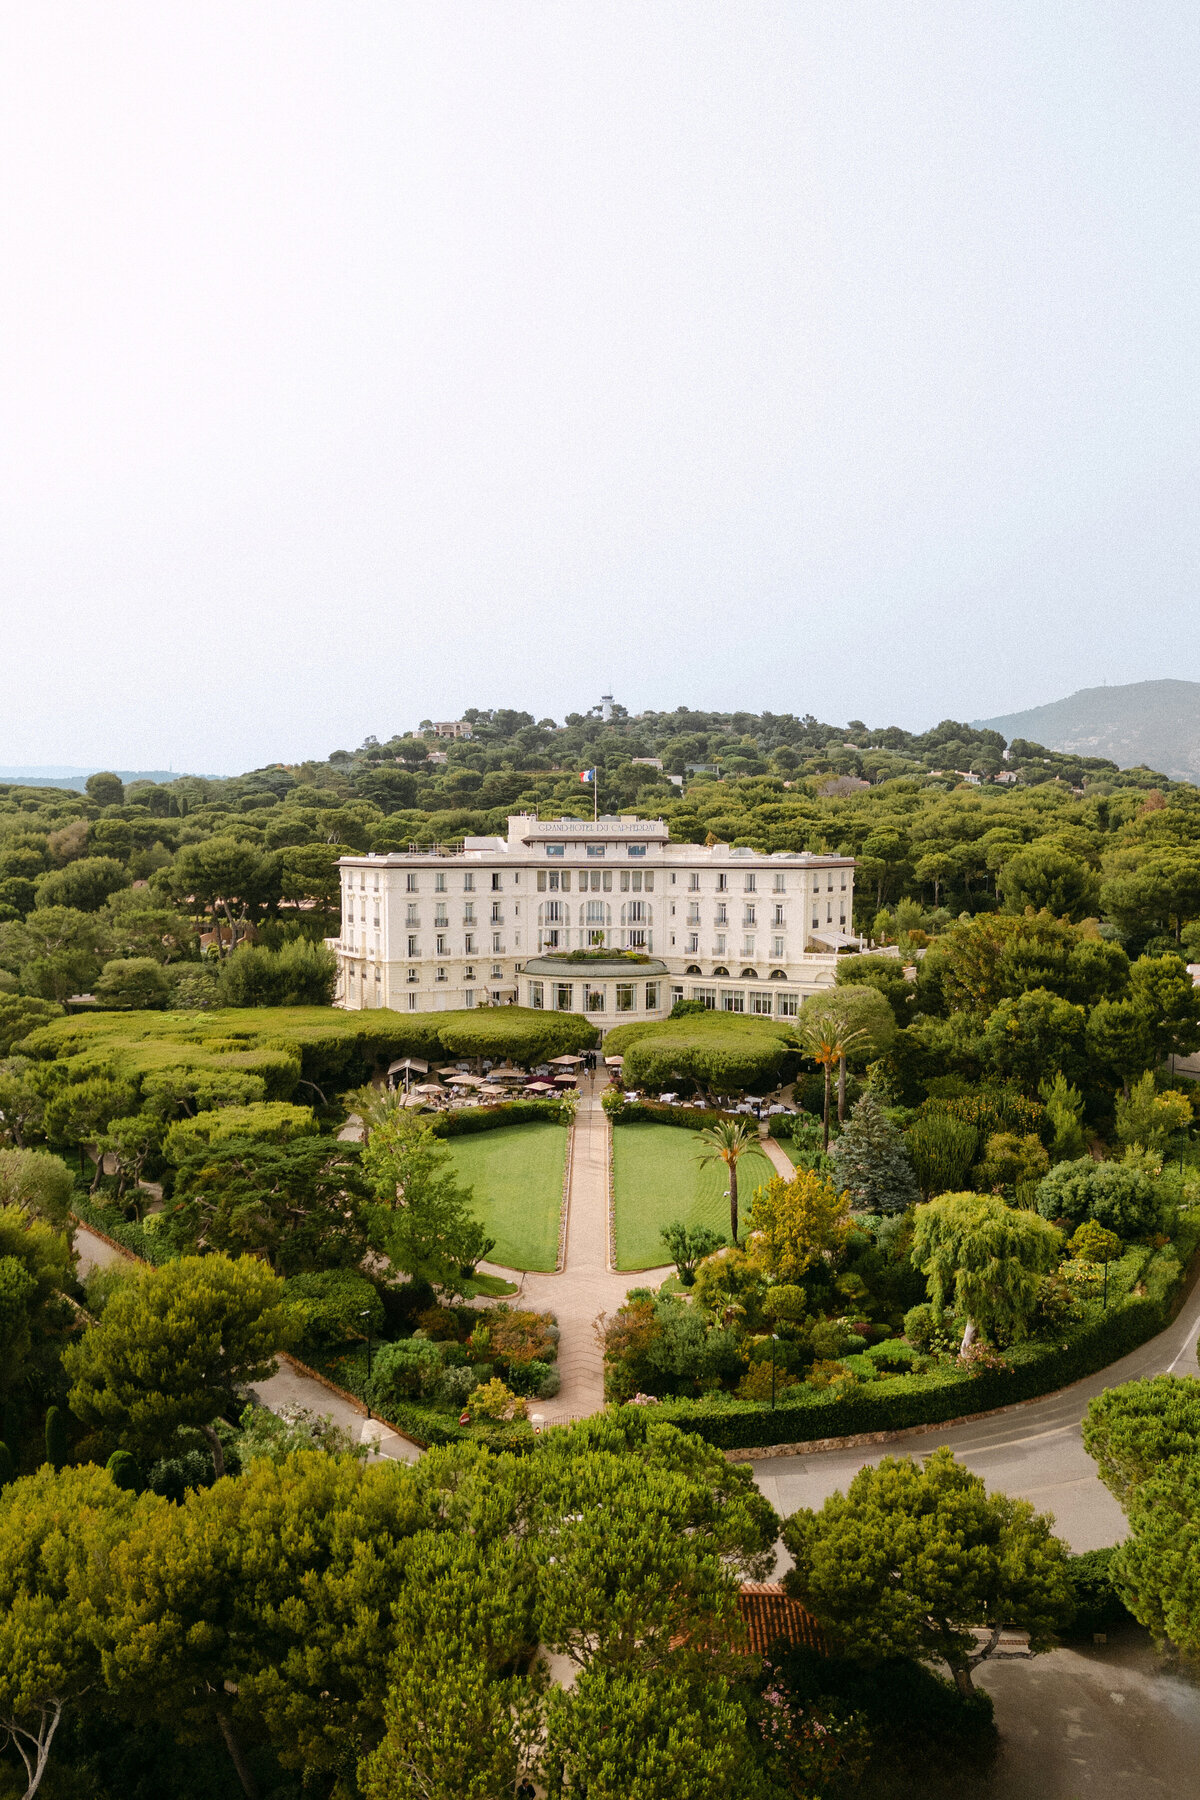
[(495, 883), (377, 921), (497, 943), (786, 1006), (693, 942), (593, 998), (760, 1003), (733, 1000), (377, 881), (625, 996), (722, 914), (469, 944), (777, 948), (676, 994), (594, 911), (468, 974), (439, 948), (439, 915), (563, 996), (439, 882), (441, 975), (497, 971), (779, 915), (496, 913), (719, 944), (693, 884), (750, 916), (816, 920), (751, 884), (637, 849), (722, 883), (468, 996), (606, 882), (595, 849), (412, 1003), (413, 947), (829, 914), (469, 882), (410, 883), (410, 916), (638, 912), (651, 996), (535, 995), (747, 946), (412, 975), (706, 996), (843, 878), (469, 913), (693, 913), (552, 936), (553, 911), (831, 881), (637, 940), (781, 884), (554, 849)]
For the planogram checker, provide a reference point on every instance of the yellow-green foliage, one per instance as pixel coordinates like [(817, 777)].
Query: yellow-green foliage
[(273, 1120), (286, 1044)]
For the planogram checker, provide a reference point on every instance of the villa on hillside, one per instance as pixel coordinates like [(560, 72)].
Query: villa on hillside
[(598, 916)]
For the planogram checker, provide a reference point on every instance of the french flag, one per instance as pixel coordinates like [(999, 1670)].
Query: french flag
[(587, 775)]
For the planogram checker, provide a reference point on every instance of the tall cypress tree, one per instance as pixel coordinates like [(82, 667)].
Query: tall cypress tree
[(870, 1162)]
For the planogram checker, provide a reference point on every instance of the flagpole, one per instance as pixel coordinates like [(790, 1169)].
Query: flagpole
[(595, 796)]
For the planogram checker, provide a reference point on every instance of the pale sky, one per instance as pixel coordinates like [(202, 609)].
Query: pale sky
[(365, 361)]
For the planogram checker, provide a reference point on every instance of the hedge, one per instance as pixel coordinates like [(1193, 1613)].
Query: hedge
[(691, 1118), (898, 1403), (323, 1045), (713, 1049), (131, 1236), (489, 1118)]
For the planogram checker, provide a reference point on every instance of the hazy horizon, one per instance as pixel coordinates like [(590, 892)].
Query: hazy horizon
[(364, 364)]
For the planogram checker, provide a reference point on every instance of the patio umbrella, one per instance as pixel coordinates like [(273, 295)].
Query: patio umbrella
[(466, 1081), (541, 1087), (566, 1080), (563, 1062), (452, 1070), (412, 1063), (413, 1099), (429, 1087), (614, 1062)]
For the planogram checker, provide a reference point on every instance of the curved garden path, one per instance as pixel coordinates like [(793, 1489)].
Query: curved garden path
[(587, 1284)]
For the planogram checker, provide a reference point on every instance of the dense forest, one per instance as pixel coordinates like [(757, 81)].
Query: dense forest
[(115, 887)]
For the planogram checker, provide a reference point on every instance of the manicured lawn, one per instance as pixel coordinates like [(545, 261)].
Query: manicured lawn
[(657, 1177), (517, 1174)]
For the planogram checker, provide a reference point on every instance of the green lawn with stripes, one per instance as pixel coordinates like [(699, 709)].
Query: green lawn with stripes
[(658, 1177), (516, 1172)]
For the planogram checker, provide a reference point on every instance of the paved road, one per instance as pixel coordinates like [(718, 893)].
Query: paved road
[(288, 1386), (1035, 1452)]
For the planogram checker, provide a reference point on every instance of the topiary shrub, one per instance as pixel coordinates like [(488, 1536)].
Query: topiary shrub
[(1121, 1196), (404, 1371), (334, 1303), (1098, 1602), (124, 1471)]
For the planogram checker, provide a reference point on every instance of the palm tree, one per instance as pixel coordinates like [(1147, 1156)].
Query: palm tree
[(727, 1142), (827, 1038)]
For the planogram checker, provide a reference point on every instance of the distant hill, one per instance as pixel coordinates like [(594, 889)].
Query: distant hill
[(1156, 723), (62, 776)]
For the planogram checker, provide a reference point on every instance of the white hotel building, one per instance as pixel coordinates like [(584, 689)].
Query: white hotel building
[(487, 924)]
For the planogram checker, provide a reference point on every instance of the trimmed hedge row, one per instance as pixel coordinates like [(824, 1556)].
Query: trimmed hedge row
[(112, 1222), (490, 1118), (650, 1112), (900, 1403)]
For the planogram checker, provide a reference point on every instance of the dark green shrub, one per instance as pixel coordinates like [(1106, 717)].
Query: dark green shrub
[(334, 1302), (124, 1470), (404, 1371), (1098, 1603), (942, 1149), (892, 1356), (8, 1467), (57, 1446), (490, 1118), (1120, 1196)]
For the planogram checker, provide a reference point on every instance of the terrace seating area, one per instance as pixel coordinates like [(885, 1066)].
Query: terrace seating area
[(482, 1082)]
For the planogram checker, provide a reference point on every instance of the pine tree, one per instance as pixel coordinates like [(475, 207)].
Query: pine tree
[(870, 1162)]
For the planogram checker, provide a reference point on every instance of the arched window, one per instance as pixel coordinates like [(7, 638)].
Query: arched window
[(777, 975), (692, 969), (720, 969), (748, 975)]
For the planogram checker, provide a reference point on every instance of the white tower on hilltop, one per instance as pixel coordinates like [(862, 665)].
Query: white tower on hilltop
[(606, 706)]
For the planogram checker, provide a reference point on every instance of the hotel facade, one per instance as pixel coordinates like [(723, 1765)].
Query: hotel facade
[(498, 921)]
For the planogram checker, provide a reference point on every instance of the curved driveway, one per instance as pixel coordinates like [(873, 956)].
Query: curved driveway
[(1035, 1452)]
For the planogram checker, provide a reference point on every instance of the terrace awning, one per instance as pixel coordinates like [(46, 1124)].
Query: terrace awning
[(409, 1062)]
